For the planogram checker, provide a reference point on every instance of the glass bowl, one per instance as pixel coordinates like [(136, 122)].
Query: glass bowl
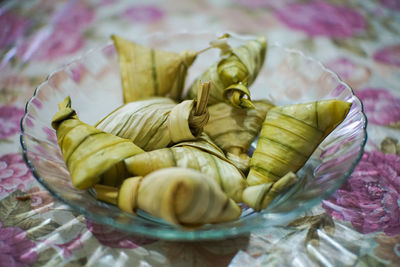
[(93, 82)]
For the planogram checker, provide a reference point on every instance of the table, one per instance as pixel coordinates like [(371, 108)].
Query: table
[(360, 40)]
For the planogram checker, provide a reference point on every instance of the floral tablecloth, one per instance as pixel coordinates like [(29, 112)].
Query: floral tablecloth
[(360, 40)]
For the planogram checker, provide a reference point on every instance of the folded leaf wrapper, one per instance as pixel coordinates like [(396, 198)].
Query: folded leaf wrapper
[(157, 122), (180, 196), (197, 155), (90, 154), (149, 72), (233, 73), (289, 136), (233, 130), (145, 122), (258, 197)]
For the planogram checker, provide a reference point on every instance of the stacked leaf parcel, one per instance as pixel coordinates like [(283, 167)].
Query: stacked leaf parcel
[(184, 158)]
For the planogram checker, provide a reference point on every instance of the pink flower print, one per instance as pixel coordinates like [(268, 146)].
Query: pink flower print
[(74, 17), (381, 107), (257, 4), (389, 55), (37, 103), (77, 72), (59, 44), (143, 13), (116, 239), (14, 174), (370, 198), (15, 249), (41, 199), (69, 247), (12, 27), (353, 74), (50, 134), (392, 4), (319, 18), (10, 118), (64, 38)]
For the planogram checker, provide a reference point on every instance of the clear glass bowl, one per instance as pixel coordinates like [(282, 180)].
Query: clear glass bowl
[(288, 76)]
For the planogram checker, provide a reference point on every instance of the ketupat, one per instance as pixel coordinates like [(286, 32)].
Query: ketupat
[(204, 143), (90, 154), (157, 122), (289, 136), (141, 121), (233, 130), (178, 195), (147, 72), (260, 196), (233, 73), (198, 155)]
